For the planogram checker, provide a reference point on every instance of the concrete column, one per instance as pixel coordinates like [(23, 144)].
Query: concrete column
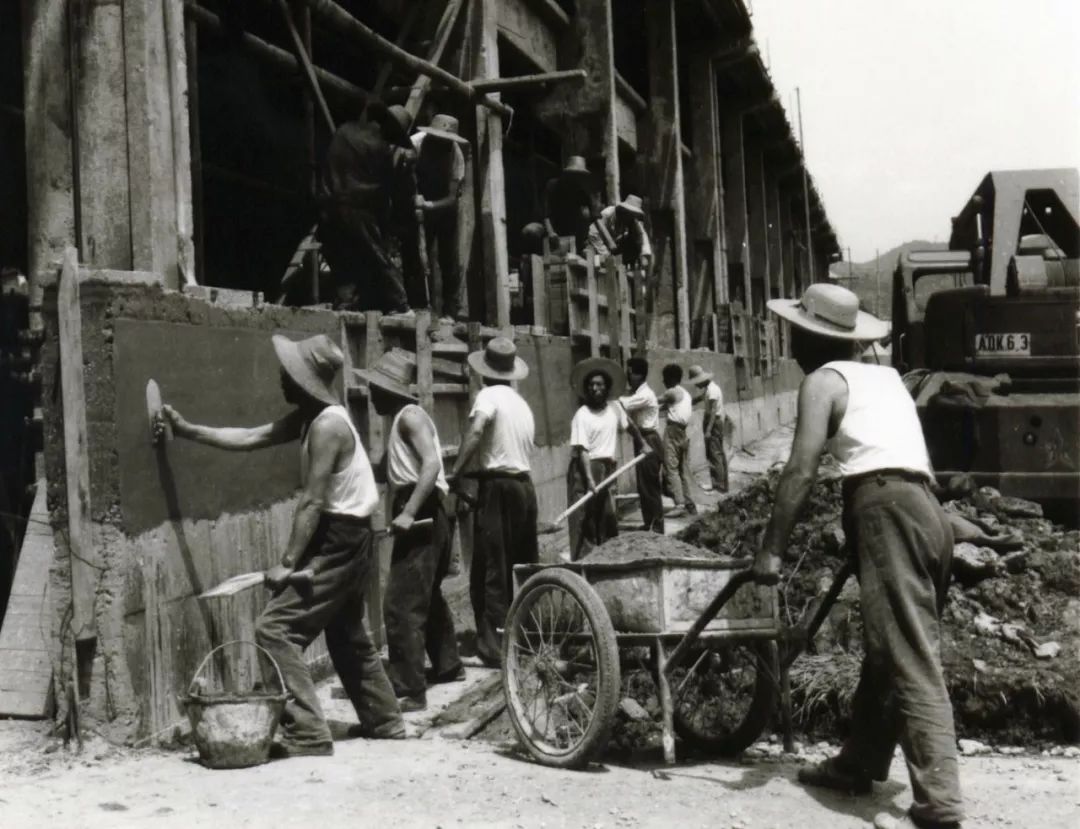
[(705, 199), (50, 188), (757, 230), (664, 149), (734, 166), (489, 160)]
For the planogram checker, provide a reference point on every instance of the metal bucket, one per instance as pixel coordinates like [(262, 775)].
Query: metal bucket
[(234, 730)]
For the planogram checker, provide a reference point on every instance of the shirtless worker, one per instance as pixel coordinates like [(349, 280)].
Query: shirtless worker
[(496, 449), (676, 403), (902, 541), (331, 535), (644, 412), (417, 616), (594, 445)]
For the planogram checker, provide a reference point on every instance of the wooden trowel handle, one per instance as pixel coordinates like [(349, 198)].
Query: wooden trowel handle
[(301, 578)]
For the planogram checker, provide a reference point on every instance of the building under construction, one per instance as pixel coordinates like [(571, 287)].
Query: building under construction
[(160, 163)]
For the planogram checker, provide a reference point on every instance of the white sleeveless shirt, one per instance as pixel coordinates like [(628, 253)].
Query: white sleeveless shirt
[(351, 491), (880, 428), (402, 463)]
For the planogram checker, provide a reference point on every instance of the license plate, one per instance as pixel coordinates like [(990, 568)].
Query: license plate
[(987, 345)]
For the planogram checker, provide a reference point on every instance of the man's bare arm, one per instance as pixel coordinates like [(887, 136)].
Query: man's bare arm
[(579, 457), (818, 394), (420, 436), (236, 438), (328, 439)]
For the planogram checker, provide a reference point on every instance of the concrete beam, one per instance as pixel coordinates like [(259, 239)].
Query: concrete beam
[(664, 148)]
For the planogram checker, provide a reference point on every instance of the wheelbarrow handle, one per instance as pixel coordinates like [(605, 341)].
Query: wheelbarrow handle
[(818, 611), (690, 637)]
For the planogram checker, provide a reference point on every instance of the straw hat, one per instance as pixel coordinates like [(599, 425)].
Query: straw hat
[(498, 360), (698, 376), (609, 368), (394, 372), (313, 364), (445, 127), (832, 311), (575, 165), (632, 205)]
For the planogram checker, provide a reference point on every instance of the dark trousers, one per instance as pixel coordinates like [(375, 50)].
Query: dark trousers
[(904, 545), (597, 520), (418, 619), (441, 231), (354, 246), (650, 481), (715, 455), (340, 556), (505, 535), (677, 463)]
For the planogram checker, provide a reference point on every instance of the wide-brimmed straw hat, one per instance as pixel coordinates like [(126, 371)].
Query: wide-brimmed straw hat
[(592, 365), (575, 165), (697, 376), (394, 372), (445, 127), (632, 205), (313, 364), (832, 311), (498, 360)]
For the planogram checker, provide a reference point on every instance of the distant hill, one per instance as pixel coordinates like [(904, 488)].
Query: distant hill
[(872, 281)]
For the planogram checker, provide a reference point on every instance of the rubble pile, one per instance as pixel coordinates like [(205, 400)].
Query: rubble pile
[(1011, 626)]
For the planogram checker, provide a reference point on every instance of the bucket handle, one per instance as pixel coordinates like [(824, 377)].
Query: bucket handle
[(265, 652)]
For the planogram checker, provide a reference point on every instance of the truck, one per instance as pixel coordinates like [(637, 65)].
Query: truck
[(987, 335)]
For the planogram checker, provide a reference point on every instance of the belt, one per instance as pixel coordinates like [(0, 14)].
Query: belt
[(671, 423), (348, 519), (881, 477), (495, 474)]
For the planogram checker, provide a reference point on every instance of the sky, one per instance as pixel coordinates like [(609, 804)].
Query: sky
[(908, 103)]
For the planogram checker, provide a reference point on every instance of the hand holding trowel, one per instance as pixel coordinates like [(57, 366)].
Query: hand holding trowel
[(160, 427), (230, 587)]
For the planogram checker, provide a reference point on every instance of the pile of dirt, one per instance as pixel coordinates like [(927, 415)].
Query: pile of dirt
[(1011, 626), (635, 546)]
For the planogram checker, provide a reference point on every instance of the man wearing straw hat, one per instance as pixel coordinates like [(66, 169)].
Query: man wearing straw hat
[(362, 171), (594, 444), (570, 203), (417, 616), (496, 449), (624, 225), (901, 539), (440, 169), (331, 535), (712, 426)]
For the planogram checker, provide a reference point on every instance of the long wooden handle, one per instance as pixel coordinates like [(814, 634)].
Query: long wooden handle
[(580, 502), (417, 525)]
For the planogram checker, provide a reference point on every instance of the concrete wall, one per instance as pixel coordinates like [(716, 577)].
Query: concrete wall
[(168, 525)]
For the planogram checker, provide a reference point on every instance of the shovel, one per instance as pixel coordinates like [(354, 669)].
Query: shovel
[(580, 502)]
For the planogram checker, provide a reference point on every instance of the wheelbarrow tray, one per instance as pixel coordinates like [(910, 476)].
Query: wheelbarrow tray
[(667, 595)]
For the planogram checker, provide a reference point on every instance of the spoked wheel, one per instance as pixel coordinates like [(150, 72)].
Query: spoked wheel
[(560, 669), (724, 696)]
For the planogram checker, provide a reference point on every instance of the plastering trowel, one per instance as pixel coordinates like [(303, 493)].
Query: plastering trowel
[(154, 413)]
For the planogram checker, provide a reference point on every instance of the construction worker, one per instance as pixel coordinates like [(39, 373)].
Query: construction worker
[(901, 539), (712, 427), (365, 164), (570, 203), (676, 403), (440, 169), (496, 450), (594, 445), (644, 413), (331, 535), (623, 224), (418, 619)]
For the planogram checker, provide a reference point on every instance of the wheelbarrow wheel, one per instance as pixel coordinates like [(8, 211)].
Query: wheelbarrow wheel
[(724, 697), (560, 669)]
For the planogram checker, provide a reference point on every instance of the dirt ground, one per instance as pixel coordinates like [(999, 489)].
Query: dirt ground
[(437, 782)]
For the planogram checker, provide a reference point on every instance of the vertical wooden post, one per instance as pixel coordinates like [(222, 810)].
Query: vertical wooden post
[(489, 158), (774, 230), (666, 149), (734, 165), (758, 227), (594, 308), (424, 375), (191, 47), (539, 291), (376, 445), (85, 564), (706, 198)]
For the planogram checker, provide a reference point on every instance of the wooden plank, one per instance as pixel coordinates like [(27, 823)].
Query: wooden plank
[(85, 563), (522, 25), (448, 368), (424, 375), (594, 309), (435, 54), (538, 277)]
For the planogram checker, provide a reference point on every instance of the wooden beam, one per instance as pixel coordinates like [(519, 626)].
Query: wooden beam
[(757, 227), (442, 38), (343, 22), (525, 81), (305, 62), (85, 563)]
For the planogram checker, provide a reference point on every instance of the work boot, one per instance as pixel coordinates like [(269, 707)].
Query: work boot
[(392, 730), (415, 702), (828, 775), (285, 749), (691, 508), (455, 675)]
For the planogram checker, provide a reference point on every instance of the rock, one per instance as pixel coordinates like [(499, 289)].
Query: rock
[(1047, 650), (986, 624), (834, 539), (1016, 561), (1016, 507), (1072, 752), (633, 710), (972, 564), (971, 748)]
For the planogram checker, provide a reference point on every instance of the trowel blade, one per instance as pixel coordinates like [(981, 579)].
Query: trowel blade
[(153, 411), (234, 585)]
